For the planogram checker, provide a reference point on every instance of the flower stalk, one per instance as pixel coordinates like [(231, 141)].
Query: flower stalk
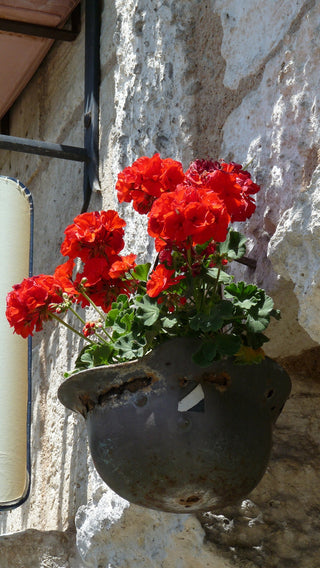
[(68, 326)]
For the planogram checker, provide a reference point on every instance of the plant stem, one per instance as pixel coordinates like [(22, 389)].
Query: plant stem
[(101, 314), (84, 323), (189, 257), (107, 334), (77, 315), (54, 316), (101, 338), (215, 289)]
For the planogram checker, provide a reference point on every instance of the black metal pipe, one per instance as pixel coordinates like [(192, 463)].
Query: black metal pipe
[(91, 96), (41, 148)]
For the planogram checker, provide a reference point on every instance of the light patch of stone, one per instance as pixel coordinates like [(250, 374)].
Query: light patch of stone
[(268, 22), (34, 548), (275, 129), (294, 250), (150, 105), (112, 533)]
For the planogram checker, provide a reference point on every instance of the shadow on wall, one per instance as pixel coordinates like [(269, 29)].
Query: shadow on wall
[(33, 548)]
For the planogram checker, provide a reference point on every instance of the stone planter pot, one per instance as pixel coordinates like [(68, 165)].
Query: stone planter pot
[(167, 434)]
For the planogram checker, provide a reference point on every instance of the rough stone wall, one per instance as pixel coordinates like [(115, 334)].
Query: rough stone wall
[(234, 80)]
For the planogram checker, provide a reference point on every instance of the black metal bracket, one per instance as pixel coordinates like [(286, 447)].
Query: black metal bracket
[(36, 30), (42, 148), (249, 262), (89, 154)]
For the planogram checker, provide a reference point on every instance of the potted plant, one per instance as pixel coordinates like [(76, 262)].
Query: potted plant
[(178, 396)]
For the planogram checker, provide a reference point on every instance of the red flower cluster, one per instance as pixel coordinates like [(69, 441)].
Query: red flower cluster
[(146, 179), (188, 215), (184, 210), (63, 275), (97, 238), (90, 328), (94, 234), (32, 302), (103, 281), (229, 182)]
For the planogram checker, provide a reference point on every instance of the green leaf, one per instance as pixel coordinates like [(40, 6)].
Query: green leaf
[(267, 307), (221, 275), (147, 310), (200, 322), (227, 344), (221, 345), (125, 322), (224, 309), (214, 320), (87, 359), (122, 302), (130, 347), (243, 295), (206, 354), (255, 340), (234, 246), (141, 272), (256, 324), (169, 322), (93, 356), (276, 314), (111, 317), (259, 315)]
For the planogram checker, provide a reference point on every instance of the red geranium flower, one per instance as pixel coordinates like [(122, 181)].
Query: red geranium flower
[(94, 234), (119, 267), (198, 171), (63, 274), (188, 216), (89, 328), (104, 292), (230, 182), (94, 270), (161, 279), (32, 302), (146, 179), (102, 284)]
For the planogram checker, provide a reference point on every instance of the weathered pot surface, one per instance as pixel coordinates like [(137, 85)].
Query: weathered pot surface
[(167, 434)]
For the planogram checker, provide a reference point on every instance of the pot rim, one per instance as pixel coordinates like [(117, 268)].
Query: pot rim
[(84, 389)]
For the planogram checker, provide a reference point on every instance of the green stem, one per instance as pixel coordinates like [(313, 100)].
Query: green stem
[(107, 334), (54, 316), (84, 322), (85, 295), (215, 289), (189, 257), (101, 338), (77, 315)]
